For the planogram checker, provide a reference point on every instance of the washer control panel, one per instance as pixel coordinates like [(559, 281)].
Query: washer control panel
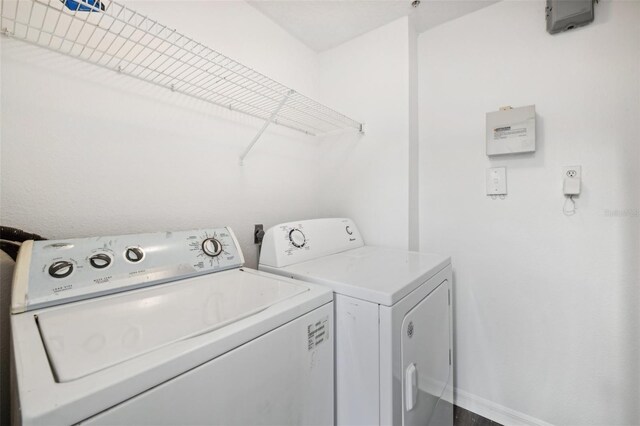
[(55, 272), (295, 242)]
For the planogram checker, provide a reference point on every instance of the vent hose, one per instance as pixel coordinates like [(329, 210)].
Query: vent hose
[(12, 238)]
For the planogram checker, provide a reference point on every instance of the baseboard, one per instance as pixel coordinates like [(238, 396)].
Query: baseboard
[(493, 411)]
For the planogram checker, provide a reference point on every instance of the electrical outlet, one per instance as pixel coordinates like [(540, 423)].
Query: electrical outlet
[(572, 179), (258, 233)]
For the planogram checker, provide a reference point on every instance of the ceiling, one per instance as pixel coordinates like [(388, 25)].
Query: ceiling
[(323, 24)]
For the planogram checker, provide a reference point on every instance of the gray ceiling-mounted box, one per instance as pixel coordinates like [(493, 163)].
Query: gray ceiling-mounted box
[(563, 15)]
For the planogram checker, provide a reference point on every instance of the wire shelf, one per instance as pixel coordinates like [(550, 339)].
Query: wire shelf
[(113, 36)]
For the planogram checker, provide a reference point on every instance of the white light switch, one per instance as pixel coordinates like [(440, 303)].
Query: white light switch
[(497, 181)]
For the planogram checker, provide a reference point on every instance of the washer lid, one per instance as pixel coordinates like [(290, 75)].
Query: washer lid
[(376, 274), (85, 337)]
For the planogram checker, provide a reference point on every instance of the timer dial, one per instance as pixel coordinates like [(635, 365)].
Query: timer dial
[(297, 238), (134, 254), (100, 260), (211, 247), (61, 269)]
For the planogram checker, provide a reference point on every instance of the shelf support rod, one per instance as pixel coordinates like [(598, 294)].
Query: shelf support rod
[(265, 125)]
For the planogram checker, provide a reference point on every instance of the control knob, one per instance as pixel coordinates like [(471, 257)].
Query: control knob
[(61, 269), (100, 260), (297, 238), (133, 254), (211, 247)]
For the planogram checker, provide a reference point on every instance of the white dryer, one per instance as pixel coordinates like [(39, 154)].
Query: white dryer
[(166, 329), (392, 320)]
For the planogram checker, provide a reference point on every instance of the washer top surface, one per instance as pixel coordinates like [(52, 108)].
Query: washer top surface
[(75, 360), (83, 338), (375, 274)]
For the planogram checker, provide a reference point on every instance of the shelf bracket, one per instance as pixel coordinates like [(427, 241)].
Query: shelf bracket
[(265, 125)]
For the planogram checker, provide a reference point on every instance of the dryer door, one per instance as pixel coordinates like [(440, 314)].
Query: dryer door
[(425, 356)]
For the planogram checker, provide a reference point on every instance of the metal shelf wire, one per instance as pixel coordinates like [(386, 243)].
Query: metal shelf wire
[(116, 37)]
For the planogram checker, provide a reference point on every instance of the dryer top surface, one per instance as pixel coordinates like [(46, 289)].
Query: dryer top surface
[(376, 274)]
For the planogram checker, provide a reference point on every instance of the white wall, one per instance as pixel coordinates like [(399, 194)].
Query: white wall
[(88, 152), (366, 176), (546, 315)]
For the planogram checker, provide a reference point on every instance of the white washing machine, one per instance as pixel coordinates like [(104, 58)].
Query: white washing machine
[(392, 320), (166, 329)]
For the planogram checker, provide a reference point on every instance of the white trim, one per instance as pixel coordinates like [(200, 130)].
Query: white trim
[(493, 411), (20, 286)]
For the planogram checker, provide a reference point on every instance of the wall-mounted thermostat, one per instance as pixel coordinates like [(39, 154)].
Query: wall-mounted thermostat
[(511, 130)]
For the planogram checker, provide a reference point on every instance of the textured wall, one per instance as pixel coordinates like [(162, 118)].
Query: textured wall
[(547, 312), (366, 177), (86, 151)]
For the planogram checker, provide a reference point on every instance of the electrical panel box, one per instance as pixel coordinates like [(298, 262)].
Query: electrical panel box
[(563, 15), (511, 130)]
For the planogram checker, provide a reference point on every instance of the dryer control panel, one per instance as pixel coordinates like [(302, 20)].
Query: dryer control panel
[(296, 242), (53, 272)]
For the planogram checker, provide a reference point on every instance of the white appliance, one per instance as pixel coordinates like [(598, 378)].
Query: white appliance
[(166, 328), (393, 320)]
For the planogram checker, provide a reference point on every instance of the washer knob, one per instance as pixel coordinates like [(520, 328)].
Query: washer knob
[(134, 254), (100, 260), (211, 247), (61, 269), (297, 238)]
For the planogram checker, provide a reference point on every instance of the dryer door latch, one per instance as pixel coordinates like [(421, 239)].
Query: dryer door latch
[(411, 386)]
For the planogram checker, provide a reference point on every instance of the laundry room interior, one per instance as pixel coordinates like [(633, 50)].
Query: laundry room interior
[(503, 148)]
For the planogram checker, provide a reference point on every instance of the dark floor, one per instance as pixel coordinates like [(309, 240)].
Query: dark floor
[(462, 417)]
